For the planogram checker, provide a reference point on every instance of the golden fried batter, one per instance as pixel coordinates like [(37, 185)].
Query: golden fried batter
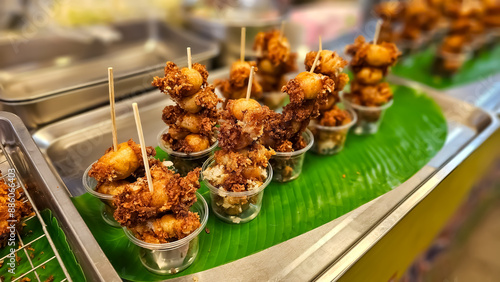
[(120, 164), (334, 117), (195, 114), (236, 86), (167, 228), (179, 83), (274, 59), (171, 193), (370, 63)]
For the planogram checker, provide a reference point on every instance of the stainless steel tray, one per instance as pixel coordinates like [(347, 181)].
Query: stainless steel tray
[(71, 145), (17, 150), (50, 76)]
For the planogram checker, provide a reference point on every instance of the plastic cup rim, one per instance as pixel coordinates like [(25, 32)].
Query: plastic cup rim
[(91, 190), (224, 193), (175, 244), (199, 154)]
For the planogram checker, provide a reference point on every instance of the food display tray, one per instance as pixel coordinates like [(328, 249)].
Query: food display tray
[(49, 198), (70, 74), (482, 91), (70, 145)]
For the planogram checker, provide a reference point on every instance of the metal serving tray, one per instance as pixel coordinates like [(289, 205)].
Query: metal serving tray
[(46, 192), (50, 77), (71, 145)]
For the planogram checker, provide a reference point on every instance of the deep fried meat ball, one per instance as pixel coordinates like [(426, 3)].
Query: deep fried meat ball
[(180, 83), (364, 53), (120, 164)]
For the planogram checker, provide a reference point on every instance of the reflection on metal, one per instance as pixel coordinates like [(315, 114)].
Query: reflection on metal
[(47, 191)]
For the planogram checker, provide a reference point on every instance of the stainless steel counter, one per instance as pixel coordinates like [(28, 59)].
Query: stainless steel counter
[(328, 251)]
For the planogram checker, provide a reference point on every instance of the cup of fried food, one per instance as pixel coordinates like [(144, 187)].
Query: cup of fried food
[(191, 133), (452, 55), (108, 177), (162, 214), (287, 166), (330, 131), (369, 117), (197, 150), (157, 252), (236, 203), (369, 95)]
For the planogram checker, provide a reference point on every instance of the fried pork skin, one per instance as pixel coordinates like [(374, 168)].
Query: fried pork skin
[(171, 193), (120, 164), (167, 228)]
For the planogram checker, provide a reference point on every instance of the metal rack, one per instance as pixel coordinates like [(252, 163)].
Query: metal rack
[(5, 160)]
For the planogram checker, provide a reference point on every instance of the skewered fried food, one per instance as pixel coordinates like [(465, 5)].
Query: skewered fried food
[(171, 193), (331, 64), (242, 162), (419, 17), (120, 164), (390, 12), (12, 210), (236, 86), (192, 121), (307, 91), (370, 63), (274, 59)]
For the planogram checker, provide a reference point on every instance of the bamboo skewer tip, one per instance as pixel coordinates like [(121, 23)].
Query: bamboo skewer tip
[(112, 108), (315, 62), (190, 62), (250, 82), (143, 146)]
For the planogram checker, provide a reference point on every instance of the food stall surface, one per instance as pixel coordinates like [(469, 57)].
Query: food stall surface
[(70, 145)]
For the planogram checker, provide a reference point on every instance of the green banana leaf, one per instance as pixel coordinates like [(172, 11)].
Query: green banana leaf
[(412, 132), (419, 67), (40, 251)]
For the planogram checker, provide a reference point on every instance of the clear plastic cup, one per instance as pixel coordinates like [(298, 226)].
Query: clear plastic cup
[(274, 100), (368, 118), (236, 207), (287, 166), (108, 208), (447, 63), (173, 257), (330, 140), (185, 162)]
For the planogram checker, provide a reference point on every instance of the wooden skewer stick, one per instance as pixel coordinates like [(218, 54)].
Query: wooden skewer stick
[(112, 108), (143, 146), (315, 62), (242, 47), (320, 44), (282, 30), (190, 63), (377, 31), (250, 82)]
